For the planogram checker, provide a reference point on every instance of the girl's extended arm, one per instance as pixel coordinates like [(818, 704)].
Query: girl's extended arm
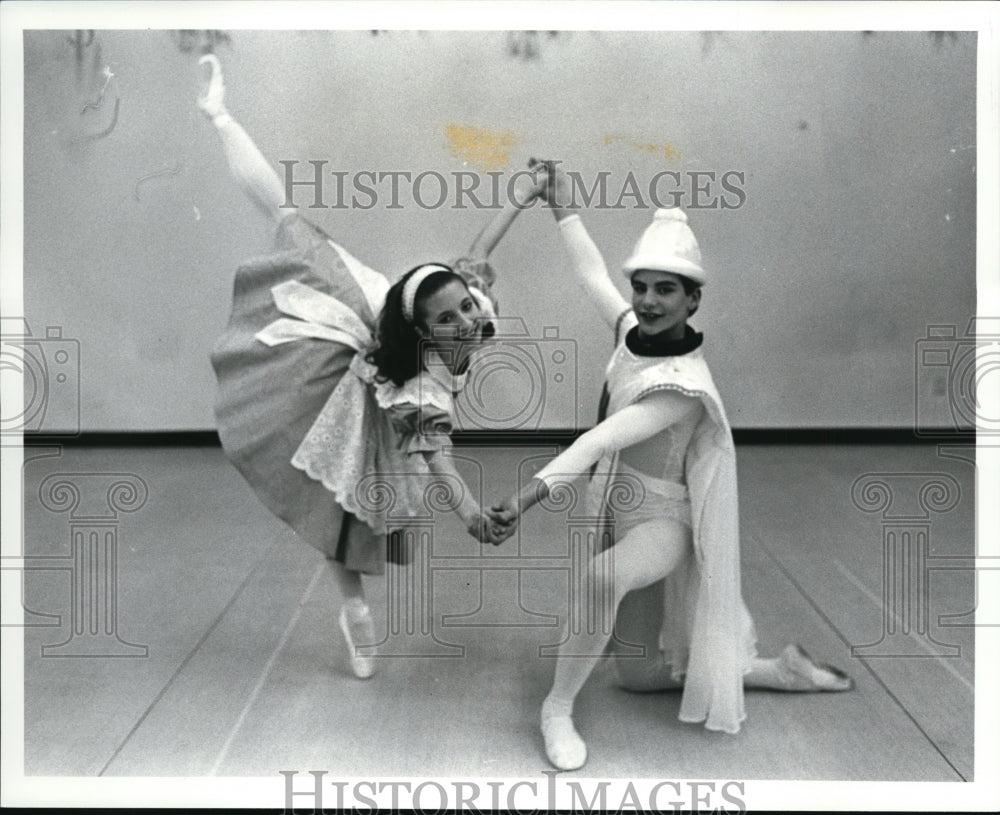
[(630, 425), (477, 524), (486, 241), (256, 177)]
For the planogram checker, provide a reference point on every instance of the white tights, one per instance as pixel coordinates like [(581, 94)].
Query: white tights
[(619, 578), (626, 583)]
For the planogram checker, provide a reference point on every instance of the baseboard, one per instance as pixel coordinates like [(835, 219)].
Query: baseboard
[(532, 438)]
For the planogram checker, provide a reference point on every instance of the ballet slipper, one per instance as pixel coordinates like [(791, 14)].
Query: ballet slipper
[(355, 621), (213, 101), (800, 672), (563, 745)]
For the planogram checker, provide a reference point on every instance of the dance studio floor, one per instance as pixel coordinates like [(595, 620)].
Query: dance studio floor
[(224, 658)]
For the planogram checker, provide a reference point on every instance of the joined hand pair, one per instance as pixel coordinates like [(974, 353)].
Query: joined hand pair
[(504, 512), (492, 527), (496, 524)]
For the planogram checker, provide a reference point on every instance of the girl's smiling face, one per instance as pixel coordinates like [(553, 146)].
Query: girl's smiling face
[(452, 320), (661, 304)]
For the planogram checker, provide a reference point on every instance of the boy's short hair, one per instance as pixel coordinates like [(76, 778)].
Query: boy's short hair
[(690, 286)]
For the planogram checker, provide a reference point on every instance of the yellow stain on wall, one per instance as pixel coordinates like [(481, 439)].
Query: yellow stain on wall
[(670, 153), (484, 148)]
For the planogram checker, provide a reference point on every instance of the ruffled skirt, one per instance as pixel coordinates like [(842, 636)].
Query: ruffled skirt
[(269, 396)]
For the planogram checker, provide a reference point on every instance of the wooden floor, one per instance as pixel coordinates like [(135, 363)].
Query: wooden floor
[(245, 671)]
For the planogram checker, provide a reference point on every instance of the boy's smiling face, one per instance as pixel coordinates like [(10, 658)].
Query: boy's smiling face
[(661, 304)]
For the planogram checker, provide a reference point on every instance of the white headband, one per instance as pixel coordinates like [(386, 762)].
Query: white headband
[(413, 283)]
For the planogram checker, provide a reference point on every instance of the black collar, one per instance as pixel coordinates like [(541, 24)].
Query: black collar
[(659, 345)]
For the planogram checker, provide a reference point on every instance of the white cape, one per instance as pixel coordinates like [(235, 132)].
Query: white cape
[(708, 634)]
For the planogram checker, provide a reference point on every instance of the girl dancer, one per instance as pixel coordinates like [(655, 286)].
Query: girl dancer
[(335, 388), (673, 572)]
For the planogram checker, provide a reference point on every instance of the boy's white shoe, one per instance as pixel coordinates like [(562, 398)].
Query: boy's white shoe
[(563, 745)]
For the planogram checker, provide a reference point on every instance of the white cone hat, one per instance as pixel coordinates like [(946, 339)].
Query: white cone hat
[(668, 245)]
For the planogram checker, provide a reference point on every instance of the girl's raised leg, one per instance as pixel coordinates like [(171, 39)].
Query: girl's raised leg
[(251, 171)]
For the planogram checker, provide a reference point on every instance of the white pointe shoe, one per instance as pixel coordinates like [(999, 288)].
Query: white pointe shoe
[(563, 745), (356, 622), (801, 673), (213, 102)]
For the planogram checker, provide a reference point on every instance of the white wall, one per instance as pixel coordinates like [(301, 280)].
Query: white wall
[(858, 229)]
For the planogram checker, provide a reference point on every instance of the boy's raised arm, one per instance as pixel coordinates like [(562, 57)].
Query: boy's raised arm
[(588, 264)]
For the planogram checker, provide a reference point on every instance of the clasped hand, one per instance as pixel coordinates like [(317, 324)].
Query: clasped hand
[(495, 524), (553, 185), (504, 512), (492, 527)]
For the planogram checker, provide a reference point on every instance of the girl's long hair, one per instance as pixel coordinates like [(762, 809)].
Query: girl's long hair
[(398, 354)]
